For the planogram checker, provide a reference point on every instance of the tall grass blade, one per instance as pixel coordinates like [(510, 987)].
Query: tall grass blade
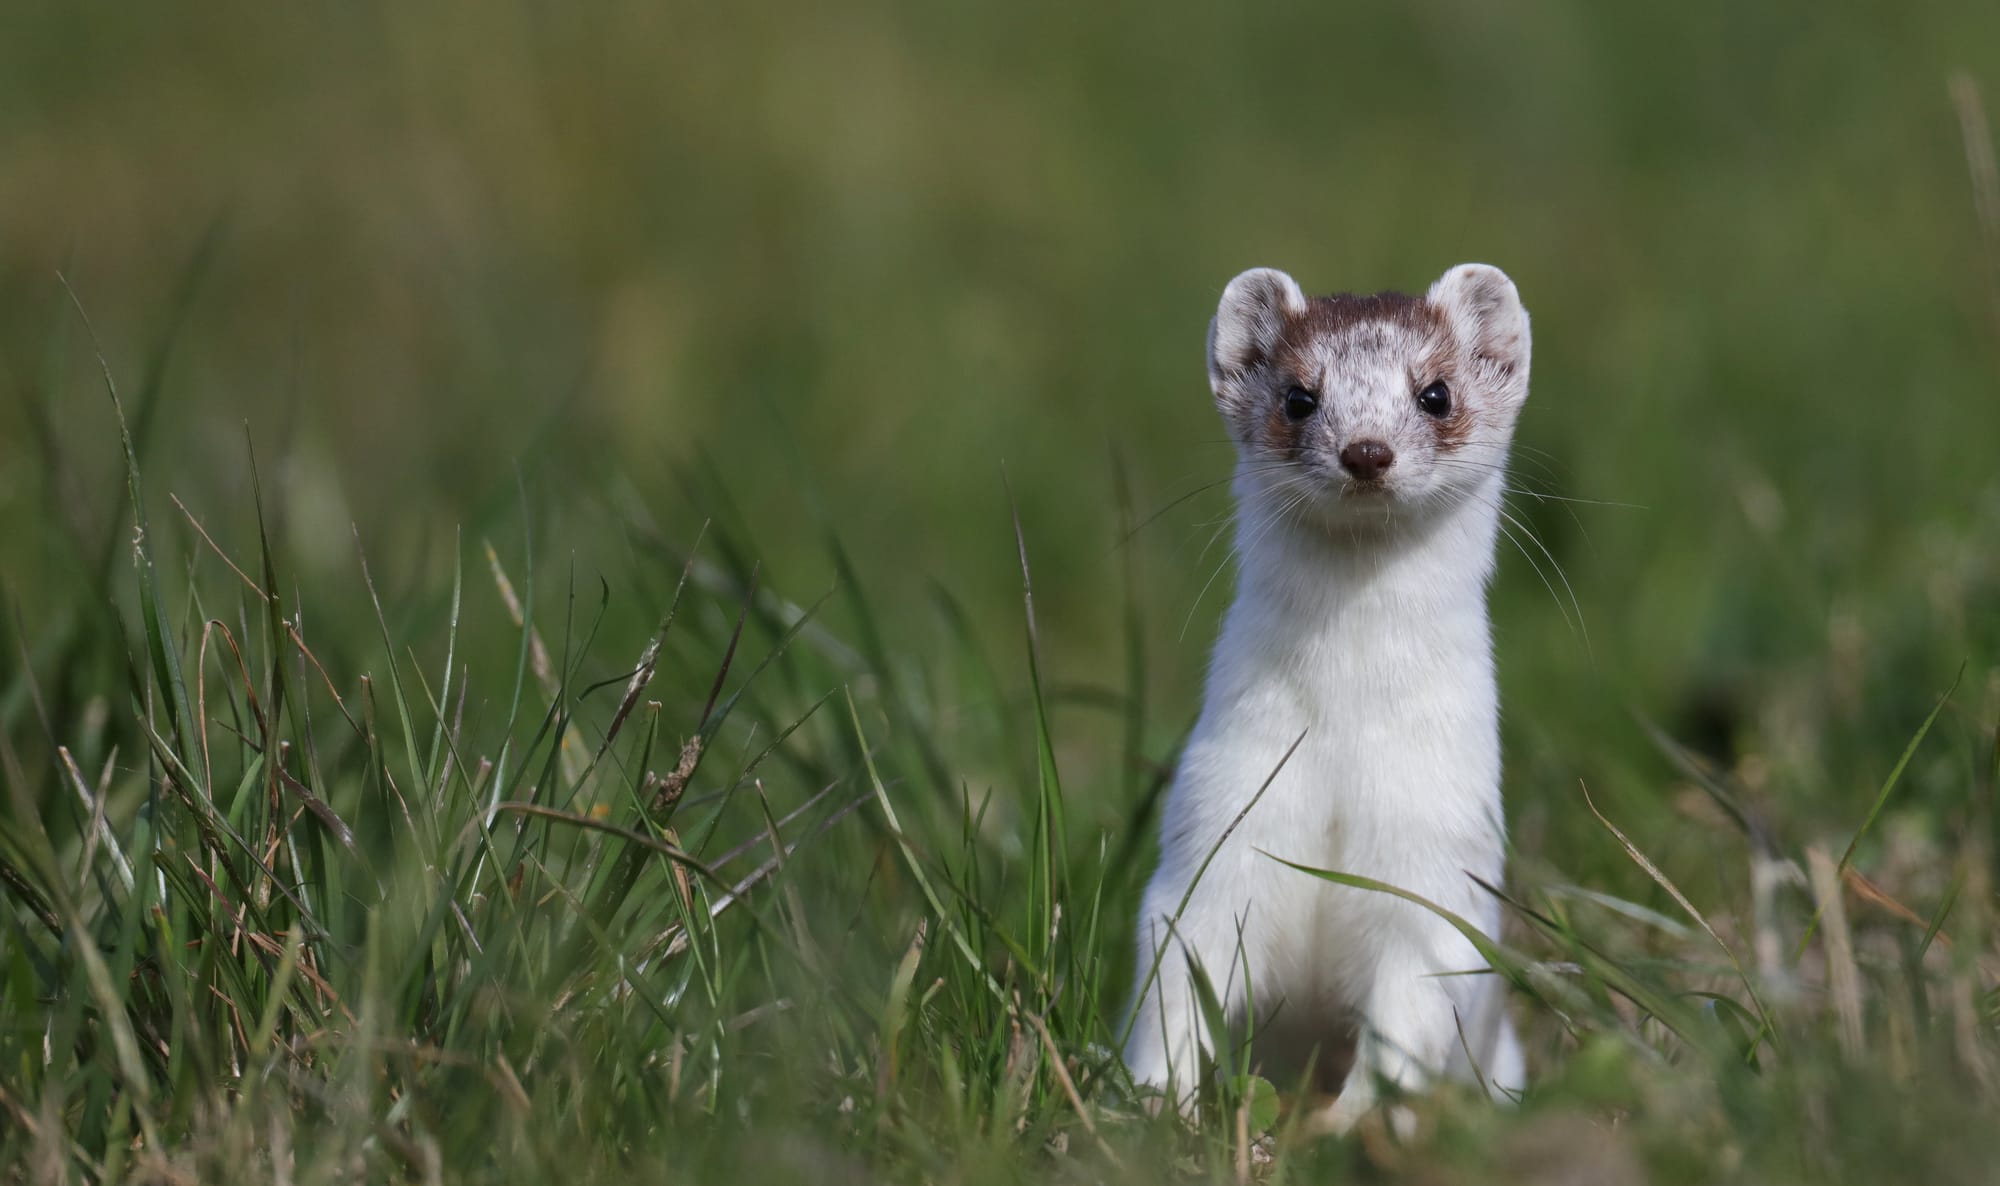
[(1882, 800), (1664, 882)]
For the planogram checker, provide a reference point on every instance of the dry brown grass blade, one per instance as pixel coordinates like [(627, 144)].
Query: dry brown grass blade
[(679, 940), (538, 654), (673, 853), (328, 818), (217, 548), (1842, 975), (642, 675), (1653, 871), (208, 630), (508, 1084), (1874, 895), (674, 784), (1978, 136), (1069, 1088), (681, 883), (299, 641)]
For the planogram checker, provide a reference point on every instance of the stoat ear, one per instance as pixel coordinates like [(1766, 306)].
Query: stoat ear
[(1250, 320), (1486, 316)]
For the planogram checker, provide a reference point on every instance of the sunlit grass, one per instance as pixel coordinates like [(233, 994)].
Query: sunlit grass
[(715, 898), (614, 601)]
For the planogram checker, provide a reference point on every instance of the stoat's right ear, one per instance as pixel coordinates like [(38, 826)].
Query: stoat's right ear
[(1484, 312), (1250, 320)]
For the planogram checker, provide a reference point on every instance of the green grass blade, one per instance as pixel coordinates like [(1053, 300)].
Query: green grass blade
[(1664, 882), (159, 629), (916, 866), (1882, 800)]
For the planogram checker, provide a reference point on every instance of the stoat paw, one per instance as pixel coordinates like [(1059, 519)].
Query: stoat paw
[(1357, 1106)]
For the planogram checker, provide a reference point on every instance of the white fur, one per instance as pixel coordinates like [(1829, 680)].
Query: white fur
[(1360, 623)]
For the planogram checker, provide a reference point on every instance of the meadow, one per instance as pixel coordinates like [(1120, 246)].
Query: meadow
[(607, 594)]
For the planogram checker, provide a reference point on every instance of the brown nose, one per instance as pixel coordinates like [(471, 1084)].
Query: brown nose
[(1367, 459)]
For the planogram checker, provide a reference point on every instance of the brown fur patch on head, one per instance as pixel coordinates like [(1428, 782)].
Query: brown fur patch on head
[(1328, 318), (1283, 435), (1454, 428)]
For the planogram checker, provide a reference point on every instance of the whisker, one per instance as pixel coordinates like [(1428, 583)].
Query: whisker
[(1149, 520), (1514, 528), (1508, 525), (1537, 566), (1526, 467), (1222, 525), (1297, 488), (1546, 463), (1194, 606), (1581, 626), (1589, 502), (1205, 487), (1568, 503), (1282, 500), (1466, 463)]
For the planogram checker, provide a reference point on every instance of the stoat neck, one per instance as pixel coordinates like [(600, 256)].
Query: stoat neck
[(1435, 563)]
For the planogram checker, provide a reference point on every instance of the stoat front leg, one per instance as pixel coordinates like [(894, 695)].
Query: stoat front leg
[(1169, 1031), (1409, 1032)]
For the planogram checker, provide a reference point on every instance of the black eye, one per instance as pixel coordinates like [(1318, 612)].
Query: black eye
[(1435, 400), (1300, 403)]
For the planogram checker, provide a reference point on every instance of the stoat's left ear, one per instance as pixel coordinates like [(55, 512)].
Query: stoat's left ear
[(1486, 316)]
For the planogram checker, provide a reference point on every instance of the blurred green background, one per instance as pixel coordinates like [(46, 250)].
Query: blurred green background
[(865, 266)]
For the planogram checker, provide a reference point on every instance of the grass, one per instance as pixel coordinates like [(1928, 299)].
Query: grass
[(649, 576), (719, 897)]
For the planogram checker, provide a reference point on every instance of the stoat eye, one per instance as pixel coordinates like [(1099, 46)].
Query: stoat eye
[(1435, 400), (1300, 403)]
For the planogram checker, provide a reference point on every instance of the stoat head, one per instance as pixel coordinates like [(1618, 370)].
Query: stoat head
[(1351, 409)]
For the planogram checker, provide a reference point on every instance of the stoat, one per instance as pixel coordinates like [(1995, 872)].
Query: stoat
[(1371, 435)]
